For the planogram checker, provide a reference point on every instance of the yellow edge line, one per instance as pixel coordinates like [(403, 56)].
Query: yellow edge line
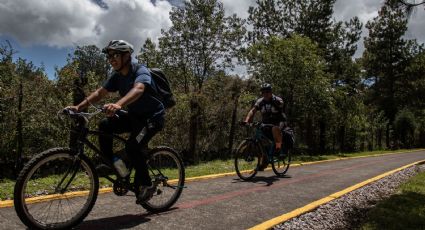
[(9, 203), (309, 207)]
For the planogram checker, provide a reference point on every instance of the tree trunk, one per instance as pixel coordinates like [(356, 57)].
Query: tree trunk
[(192, 156), (78, 96), (310, 135), (421, 138), (379, 138), (19, 138), (322, 136), (233, 124), (387, 135), (342, 138)]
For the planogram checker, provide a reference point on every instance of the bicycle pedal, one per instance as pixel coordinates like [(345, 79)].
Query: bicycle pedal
[(145, 194)]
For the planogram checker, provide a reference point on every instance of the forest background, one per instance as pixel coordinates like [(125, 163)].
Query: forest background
[(335, 102)]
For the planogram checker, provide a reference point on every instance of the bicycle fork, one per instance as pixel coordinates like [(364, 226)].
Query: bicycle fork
[(72, 169)]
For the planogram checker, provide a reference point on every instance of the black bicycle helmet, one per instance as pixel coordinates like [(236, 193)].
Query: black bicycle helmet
[(266, 87), (119, 45)]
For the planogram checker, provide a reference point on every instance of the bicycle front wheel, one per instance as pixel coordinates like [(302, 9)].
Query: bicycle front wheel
[(247, 159), (55, 190), (280, 164), (167, 172)]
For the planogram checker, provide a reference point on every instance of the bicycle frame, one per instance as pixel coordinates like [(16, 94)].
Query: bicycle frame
[(84, 132), (81, 132), (268, 149), (88, 143)]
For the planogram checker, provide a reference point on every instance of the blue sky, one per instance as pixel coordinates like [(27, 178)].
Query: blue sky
[(46, 31), (41, 55)]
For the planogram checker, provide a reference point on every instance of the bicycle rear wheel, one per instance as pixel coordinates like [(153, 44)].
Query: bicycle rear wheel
[(167, 172), (247, 159), (55, 190), (280, 164)]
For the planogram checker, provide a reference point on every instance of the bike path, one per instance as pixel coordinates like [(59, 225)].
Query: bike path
[(229, 203)]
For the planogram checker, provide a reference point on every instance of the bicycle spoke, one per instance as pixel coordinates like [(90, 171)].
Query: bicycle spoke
[(280, 164), (48, 199), (167, 174), (247, 160)]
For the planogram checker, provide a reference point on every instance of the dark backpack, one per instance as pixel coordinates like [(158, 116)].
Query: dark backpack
[(164, 93), (288, 137), (163, 90)]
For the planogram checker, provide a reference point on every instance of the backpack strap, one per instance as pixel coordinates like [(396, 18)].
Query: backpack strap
[(135, 67), (275, 102)]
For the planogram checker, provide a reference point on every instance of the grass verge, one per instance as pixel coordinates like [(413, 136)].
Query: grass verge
[(213, 167), (403, 210)]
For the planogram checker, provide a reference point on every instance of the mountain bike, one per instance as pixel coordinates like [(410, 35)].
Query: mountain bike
[(257, 152), (58, 187)]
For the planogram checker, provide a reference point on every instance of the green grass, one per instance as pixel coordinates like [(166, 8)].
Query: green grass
[(210, 167), (204, 168), (224, 166), (6, 189), (403, 210)]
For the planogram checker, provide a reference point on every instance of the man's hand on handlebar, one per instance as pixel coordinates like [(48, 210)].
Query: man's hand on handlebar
[(244, 123), (111, 109), (73, 108)]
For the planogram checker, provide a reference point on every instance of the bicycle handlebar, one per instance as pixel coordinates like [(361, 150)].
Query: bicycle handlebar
[(72, 113), (255, 124)]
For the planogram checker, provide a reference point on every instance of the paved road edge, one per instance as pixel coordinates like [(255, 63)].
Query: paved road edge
[(9, 203), (315, 204)]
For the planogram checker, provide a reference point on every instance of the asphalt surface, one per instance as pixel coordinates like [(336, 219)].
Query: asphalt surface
[(229, 203)]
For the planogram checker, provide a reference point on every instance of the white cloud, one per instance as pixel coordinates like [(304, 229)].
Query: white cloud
[(367, 10), (344, 10), (134, 21), (64, 23), (240, 7), (364, 9), (416, 25), (51, 22)]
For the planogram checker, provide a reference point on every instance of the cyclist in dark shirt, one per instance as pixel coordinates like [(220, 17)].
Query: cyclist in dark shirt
[(271, 108), (145, 115)]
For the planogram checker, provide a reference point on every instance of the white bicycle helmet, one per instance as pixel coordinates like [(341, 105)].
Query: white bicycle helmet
[(119, 45), (266, 87)]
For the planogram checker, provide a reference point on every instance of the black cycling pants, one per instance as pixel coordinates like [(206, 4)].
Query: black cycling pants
[(136, 147)]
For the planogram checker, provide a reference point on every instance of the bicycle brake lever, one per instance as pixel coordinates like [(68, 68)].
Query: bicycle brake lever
[(118, 112), (68, 111)]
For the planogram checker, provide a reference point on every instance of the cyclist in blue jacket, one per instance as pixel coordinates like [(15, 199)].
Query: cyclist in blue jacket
[(145, 115)]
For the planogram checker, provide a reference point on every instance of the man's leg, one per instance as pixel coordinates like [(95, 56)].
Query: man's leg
[(277, 135), (110, 126), (138, 155), (137, 149)]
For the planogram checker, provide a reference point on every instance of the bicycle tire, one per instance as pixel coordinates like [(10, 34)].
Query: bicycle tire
[(280, 164), (250, 161), (158, 167), (23, 204)]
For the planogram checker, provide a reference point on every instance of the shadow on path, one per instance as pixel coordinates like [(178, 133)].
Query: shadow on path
[(268, 180), (115, 223), (119, 222)]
